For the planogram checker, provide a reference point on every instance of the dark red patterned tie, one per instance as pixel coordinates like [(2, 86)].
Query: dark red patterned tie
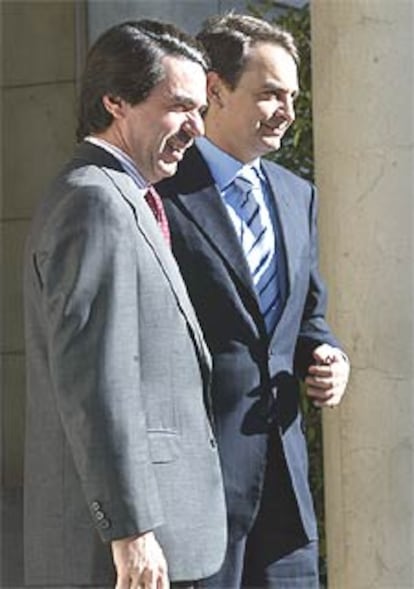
[(155, 203)]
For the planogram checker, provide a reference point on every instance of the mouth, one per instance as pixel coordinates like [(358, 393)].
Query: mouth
[(176, 146), (277, 130)]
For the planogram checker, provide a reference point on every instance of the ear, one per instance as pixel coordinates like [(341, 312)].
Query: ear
[(216, 89), (114, 105)]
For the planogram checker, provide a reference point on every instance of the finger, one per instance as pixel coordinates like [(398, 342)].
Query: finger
[(154, 579), (122, 580), (323, 399), (320, 370), (135, 580), (324, 405), (147, 579), (323, 354), (331, 400), (321, 384), (318, 394), (163, 580)]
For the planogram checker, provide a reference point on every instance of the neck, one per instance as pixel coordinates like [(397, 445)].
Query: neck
[(112, 137), (216, 132)]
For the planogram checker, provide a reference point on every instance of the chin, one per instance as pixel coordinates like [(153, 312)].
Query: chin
[(272, 144), (168, 169)]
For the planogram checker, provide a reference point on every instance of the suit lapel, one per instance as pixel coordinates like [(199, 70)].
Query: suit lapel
[(284, 201), (201, 199), (147, 224), (210, 215)]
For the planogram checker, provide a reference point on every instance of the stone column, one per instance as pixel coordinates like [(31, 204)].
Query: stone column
[(363, 80)]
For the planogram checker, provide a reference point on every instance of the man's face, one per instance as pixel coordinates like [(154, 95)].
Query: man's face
[(257, 113), (155, 133)]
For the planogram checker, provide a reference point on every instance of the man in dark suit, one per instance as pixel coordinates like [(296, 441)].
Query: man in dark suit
[(244, 234), (122, 474)]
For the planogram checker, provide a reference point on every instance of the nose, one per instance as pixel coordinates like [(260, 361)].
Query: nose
[(194, 124), (289, 109)]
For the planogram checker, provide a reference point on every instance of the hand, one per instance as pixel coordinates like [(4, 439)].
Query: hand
[(328, 376), (140, 563)]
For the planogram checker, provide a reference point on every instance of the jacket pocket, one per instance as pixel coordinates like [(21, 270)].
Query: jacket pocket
[(165, 446)]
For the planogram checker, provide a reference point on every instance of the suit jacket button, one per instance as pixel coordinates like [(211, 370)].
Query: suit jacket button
[(104, 524), (99, 515), (95, 506)]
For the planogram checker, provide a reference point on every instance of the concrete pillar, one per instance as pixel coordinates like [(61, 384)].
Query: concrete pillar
[(363, 81)]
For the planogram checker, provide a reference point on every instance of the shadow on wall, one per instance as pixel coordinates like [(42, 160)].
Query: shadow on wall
[(12, 538)]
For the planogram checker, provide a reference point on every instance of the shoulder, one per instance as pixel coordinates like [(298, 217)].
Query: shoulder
[(277, 172), (88, 178), (300, 193), (80, 199), (95, 179)]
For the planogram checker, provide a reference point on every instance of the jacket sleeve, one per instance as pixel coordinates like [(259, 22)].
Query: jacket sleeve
[(314, 329), (88, 270)]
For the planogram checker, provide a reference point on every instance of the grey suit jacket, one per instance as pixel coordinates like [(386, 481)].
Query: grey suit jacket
[(118, 440)]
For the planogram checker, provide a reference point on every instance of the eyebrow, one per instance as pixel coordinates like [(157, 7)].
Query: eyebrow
[(272, 86), (185, 100)]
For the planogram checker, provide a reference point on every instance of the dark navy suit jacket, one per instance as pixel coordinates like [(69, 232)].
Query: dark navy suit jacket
[(255, 377)]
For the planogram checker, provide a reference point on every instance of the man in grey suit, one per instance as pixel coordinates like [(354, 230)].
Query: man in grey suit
[(122, 478)]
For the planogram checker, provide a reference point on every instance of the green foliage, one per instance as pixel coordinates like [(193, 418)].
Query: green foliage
[(296, 154)]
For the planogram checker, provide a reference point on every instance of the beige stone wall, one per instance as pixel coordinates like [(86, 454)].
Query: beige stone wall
[(363, 76), (38, 107)]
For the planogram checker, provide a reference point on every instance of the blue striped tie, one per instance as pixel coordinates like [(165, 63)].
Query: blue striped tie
[(258, 242)]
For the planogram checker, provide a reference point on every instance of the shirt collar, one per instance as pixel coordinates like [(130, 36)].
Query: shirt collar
[(223, 167), (124, 159)]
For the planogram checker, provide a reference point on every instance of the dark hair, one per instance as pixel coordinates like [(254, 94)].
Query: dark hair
[(228, 38), (126, 62)]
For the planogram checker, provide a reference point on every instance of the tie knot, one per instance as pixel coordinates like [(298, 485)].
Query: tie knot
[(248, 175), (152, 195)]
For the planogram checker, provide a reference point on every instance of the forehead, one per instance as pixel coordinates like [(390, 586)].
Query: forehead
[(183, 78), (270, 63)]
